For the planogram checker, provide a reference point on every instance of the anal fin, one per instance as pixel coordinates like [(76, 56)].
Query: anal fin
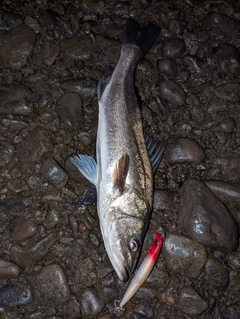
[(120, 172)]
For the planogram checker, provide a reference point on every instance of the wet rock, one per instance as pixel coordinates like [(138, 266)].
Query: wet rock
[(217, 274), (32, 23), (90, 303), (234, 259), (225, 191), (52, 219), (69, 109), (49, 52), (54, 173), (77, 48), (111, 294), (15, 295), (144, 311), (86, 88), (228, 59), (167, 67), (16, 45), (15, 99), (191, 303), (173, 93), (9, 20), (228, 125), (217, 22), (173, 48), (50, 286), (234, 283), (74, 225), (177, 27), (163, 200), (184, 150), (21, 229), (228, 92), (216, 105), (33, 251), (37, 146), (13, 203), (72, 310), (14, 125), (231, 169), (6, 154), (205, 219), (8, 270), (194, 64), (184, 256)]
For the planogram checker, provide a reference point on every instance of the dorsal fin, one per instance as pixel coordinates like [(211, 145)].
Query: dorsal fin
[(155, 148), (120, 172)]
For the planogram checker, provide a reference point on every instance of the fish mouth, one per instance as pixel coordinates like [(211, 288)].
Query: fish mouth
[(119, 263)]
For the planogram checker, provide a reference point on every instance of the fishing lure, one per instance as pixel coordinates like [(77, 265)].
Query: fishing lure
[(143, 271)]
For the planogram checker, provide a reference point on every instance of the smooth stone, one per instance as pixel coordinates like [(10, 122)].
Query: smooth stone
[(184, 256), (33, 251), (77, 48), (54, 173), (177, 27), (216, 105), (14, 125), (69, 109), (50, 286), (228, 125), (225, 191), (6, 154), (49, 52), (8, 270), (13, 203), (194, 64), (216, 273), (15, 295), (173, 48), (52, 219), (184, 150), (90, 303), (37, 146), (217, 22), (15, 99), (191, 303), (229, 92), (205, 219), (228, 59), (163, 200), (86, 88), (167, 67), (234, 259), (16, 45), (21, 229), (173, 93), (33, 24), (231, 169)]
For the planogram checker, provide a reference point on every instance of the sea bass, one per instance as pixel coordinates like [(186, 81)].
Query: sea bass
[(126, 160)]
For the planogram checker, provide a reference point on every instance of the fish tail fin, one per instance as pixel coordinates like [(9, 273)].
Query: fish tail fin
[(142, 37)]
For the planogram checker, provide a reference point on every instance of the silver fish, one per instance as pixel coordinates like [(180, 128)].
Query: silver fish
[(126, 160)]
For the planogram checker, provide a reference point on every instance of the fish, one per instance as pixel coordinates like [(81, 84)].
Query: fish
[(143, 272), (126, 159)]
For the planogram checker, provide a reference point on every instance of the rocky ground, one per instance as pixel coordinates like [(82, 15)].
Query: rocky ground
[(53, 263)]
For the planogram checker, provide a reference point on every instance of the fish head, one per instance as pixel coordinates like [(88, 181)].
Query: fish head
[(123, 236)]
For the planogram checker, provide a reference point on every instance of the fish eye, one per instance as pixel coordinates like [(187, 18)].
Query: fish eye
[(133, 244)]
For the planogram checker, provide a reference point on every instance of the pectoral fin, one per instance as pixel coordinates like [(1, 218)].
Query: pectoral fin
[(120, 172), (87, 166), (155, 148)]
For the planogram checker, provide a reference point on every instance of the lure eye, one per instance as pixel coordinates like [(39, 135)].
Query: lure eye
[(133, 244)]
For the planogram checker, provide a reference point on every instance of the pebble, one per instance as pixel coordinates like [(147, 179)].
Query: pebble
[(173, 48), (184, 256), (49, 52), (184, 150), (37, 146), (86, 88), (16, 45), (216, 105), (225, 191), (14, 125), (8, 270), (15, 295), (205, 219), (54, 173), (167, 67), (15, 99), (234, 259), (190, 302), (13, 203), (50, 286), (231, 169), (177, 27), (74, 225), (9, 20), (33, 250), (21, 229), (77, 48), (6, 154), (229, 92), (72, 310), (194, 64), (52, 219), (69, 110), (173, 93), (217, 22), (32, 23), (228, 59), (90, 303), (217, 274), (228, 125), (234, 283), (163, 200)]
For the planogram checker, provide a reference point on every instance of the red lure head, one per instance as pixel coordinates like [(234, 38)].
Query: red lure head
[(156, 246)]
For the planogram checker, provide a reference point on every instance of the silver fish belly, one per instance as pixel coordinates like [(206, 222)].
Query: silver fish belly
[(123, 174)]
